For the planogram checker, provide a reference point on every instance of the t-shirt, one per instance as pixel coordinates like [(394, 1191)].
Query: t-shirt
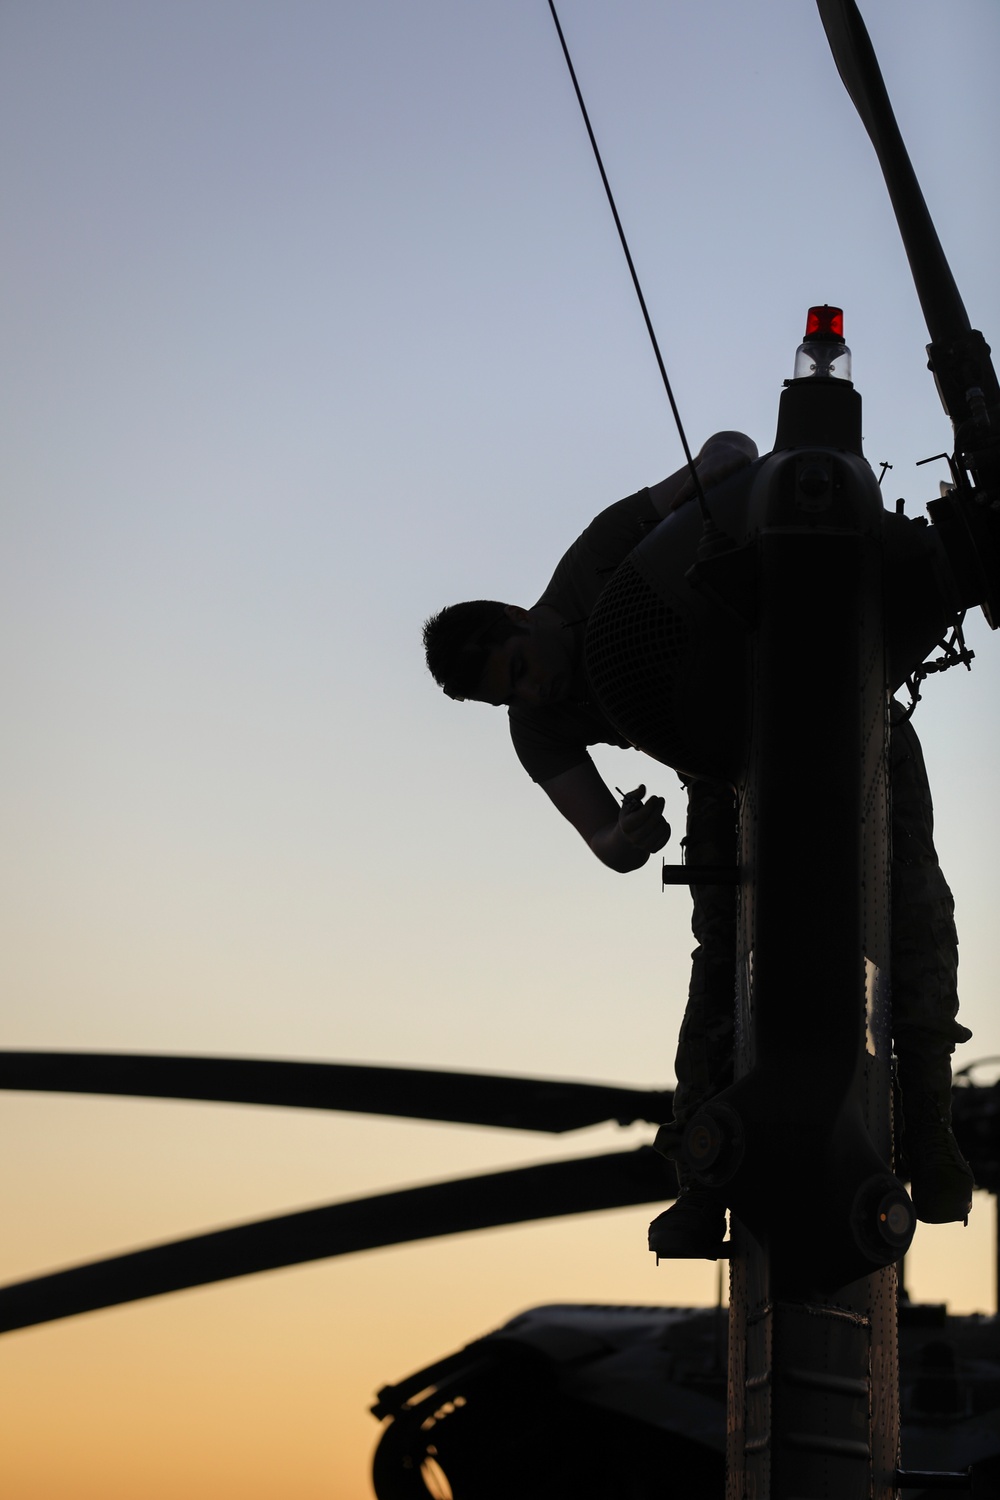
[(552, 738)]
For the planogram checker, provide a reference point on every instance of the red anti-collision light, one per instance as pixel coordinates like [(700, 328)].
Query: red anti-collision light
[(825, 324)]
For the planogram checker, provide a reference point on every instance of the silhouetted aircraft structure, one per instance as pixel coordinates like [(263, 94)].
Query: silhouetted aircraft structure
[(570, 1401), (705, 650), (578, 1403)]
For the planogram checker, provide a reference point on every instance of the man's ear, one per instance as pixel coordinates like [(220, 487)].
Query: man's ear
[(519, 615)]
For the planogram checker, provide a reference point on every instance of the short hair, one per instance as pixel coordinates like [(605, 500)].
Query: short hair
[(459, 639)]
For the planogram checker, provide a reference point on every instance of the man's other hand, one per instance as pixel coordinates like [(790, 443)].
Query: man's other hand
[(724, 453)]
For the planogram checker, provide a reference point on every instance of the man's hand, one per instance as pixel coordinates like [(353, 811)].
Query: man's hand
[(725, 453), (642, 823), (722, 454), (623, 837)]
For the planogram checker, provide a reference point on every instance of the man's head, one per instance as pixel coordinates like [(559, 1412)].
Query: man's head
[(499, 653)]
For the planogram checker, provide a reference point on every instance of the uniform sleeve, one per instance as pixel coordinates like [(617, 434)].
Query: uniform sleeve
[(546, 747), (554, 739)]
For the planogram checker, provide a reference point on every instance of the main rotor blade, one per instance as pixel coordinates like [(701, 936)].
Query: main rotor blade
[(858, 66), (510, 1103), (582, 1185)]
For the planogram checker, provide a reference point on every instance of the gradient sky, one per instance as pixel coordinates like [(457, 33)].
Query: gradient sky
[(315, 320)]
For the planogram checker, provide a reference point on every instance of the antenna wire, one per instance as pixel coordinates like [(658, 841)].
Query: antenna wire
[(699, 492)]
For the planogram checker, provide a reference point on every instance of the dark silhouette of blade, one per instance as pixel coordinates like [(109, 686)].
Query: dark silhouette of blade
[(858, 66), (510, 1103), (615, 1180), (959, 356)]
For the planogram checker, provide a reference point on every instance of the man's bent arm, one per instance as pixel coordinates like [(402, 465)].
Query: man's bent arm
[(622, 840)]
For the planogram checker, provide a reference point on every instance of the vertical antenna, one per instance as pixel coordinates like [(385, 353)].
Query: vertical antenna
[(699, 492)]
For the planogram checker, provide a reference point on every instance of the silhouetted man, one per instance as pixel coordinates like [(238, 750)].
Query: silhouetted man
[(531, 661)]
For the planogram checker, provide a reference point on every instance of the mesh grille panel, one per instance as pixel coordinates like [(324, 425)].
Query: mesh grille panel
[(636, 649)]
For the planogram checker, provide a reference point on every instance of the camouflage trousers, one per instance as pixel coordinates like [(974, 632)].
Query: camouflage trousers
[(924, 942)]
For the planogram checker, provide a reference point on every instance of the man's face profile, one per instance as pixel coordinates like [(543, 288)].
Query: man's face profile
[(534, 666)]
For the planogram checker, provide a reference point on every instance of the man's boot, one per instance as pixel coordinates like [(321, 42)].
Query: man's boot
[(941, 1180), (693, 1228)]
